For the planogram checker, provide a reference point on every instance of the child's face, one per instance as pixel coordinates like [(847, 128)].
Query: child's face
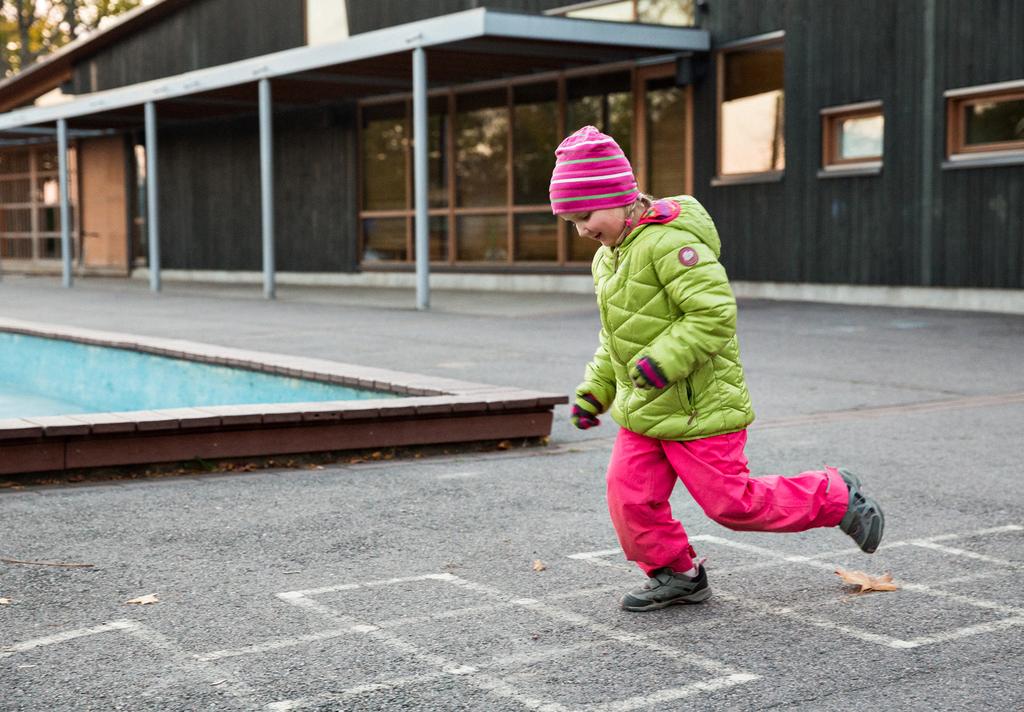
[(605, 226)]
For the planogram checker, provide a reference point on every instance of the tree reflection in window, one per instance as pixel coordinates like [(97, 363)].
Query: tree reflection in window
[(384, 138), (604, 101), (536, 137), (481, 149), (995, 121)]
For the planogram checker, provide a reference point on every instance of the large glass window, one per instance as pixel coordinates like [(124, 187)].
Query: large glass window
[(751, 109), (437, 230), (665, 111), (483, 238), (385, 137), (438, 152), (535, 137), (30, 222), (536, 238), (490, 156), (986, 120), (604, 101), (481, 149), (384, 239)]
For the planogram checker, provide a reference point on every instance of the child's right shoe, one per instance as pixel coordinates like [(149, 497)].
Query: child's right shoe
[(667, 588), (864, 520)]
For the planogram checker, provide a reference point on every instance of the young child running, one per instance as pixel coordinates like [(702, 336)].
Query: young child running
[(668, 367)]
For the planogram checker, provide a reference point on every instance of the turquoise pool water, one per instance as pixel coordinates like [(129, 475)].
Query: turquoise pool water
[(41, 376)]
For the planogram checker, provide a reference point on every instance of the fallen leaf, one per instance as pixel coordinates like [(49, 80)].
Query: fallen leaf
[(539, 565), (376, 455), (143, 600), (5, 601), (504, 445), (867, 582)]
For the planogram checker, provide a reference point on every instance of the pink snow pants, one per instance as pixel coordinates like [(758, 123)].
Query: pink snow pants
[(643, 472)]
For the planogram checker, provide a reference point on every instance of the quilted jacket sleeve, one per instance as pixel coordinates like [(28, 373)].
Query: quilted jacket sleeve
[(701, 291), (599, 380)]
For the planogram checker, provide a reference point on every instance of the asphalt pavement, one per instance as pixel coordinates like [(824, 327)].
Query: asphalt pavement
[(489, 580)]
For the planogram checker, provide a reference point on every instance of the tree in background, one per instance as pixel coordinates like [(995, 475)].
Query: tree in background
[(30, 29)]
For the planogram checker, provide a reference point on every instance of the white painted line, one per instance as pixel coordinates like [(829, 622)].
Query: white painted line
[(964, 632), (594, 554), (289, 595), (459, 476), (333, 697), (805, 617), (608, 631), (500, 688), (966, 600), (538, 656), (179, 657), (459, 669), (675, 693), (978, 532), (962, 552), (292, 641), (65, 636), (188, 662), (277, 644), (473, 675), (774, 558), (676, 654)]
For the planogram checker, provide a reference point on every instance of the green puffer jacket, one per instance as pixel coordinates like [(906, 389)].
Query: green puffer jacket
[(663, 294)]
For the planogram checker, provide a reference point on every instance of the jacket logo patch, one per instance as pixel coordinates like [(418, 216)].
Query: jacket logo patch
[(688, 257)]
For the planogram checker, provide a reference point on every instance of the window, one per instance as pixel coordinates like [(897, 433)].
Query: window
[(852, 137), (604, 101), (751, 109), (679, 13), (985, 122), (30, 225)]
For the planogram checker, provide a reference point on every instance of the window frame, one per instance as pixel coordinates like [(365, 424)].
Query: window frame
[(777, 38), (831, 118), (961, 154)]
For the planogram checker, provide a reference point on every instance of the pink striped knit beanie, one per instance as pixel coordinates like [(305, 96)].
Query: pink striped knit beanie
[(591, 173)]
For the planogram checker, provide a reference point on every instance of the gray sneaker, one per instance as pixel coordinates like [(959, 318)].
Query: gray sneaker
[(864, 520), (668, 588)]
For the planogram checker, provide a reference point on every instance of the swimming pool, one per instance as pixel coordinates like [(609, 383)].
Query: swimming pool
[(74, 398), (40, 376)]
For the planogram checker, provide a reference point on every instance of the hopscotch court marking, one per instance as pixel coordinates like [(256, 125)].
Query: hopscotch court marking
[(724, 676), (1014, 615)]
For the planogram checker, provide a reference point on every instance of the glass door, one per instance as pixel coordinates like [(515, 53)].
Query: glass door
[(664, 132)]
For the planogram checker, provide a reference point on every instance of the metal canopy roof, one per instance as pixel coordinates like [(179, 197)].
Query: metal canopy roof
[(464, 47)]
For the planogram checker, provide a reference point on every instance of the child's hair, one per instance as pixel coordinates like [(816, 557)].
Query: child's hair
[(637, 208)]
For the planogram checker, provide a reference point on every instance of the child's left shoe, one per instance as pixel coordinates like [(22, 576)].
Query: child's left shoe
[(864, 520), (667, 588)]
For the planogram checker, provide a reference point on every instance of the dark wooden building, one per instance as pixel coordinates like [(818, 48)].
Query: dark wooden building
[(865, 143)]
